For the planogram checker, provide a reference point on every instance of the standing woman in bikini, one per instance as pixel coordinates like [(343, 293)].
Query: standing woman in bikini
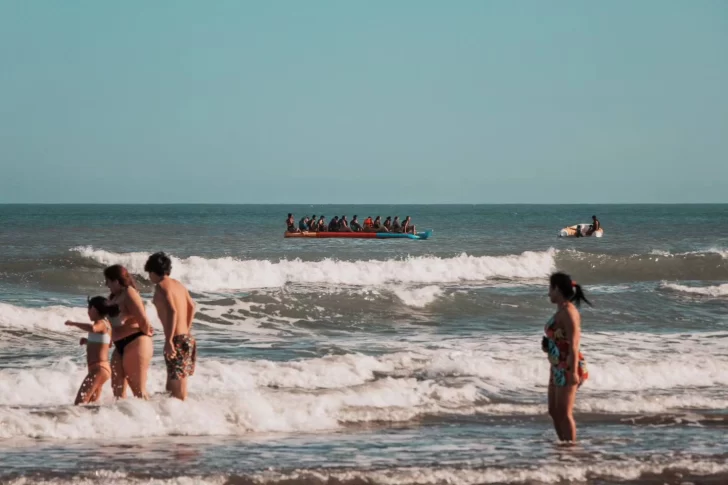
[(131, 333), (561, 343)]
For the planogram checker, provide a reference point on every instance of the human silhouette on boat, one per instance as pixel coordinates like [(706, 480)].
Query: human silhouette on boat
[(393, 225)]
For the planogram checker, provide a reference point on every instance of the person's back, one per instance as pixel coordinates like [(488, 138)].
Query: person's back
[(344, 225), (334, 225), (355, 226), (177, 297), (302, 224), (396, 225)]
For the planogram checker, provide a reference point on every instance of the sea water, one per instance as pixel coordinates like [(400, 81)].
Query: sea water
[(383, 361)]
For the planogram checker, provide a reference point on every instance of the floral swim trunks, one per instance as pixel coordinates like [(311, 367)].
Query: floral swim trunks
[(183, 363)]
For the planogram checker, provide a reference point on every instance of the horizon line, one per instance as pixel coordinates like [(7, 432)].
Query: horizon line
[(355, 204)]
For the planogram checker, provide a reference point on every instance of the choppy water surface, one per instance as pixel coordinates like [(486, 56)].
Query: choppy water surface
[(384, 361)]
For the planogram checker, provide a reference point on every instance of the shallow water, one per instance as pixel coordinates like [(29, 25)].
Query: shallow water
[(386, 361)]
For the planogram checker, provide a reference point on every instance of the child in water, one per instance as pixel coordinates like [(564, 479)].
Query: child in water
[(97, 348)]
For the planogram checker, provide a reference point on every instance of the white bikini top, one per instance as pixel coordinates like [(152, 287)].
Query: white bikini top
[(100, 338)]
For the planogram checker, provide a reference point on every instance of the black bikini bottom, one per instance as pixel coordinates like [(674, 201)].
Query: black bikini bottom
[(123, 342)]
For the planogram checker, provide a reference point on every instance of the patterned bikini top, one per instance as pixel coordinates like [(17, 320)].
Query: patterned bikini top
[(559, 346)]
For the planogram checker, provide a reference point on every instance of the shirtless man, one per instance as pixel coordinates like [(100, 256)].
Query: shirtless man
[(595, 226), (176, 311)]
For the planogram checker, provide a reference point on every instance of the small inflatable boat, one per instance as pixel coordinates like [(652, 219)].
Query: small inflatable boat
[(580, 230), (359, 235)]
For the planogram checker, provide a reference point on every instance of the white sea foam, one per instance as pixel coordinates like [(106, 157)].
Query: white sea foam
[(660, 252), (714, 291), (627, 469), (52, 318), (202, 274), (226, 402), (418, 297), (723, 253), (44, 318), (451, 377), (103, 477)]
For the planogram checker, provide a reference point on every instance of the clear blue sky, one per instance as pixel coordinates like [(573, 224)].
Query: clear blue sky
[(364, 102)]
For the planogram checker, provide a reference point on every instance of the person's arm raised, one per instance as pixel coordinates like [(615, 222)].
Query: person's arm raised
[(86, 327)]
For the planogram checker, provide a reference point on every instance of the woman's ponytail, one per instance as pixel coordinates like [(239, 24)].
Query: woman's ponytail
[(568, 288), (579, 295)]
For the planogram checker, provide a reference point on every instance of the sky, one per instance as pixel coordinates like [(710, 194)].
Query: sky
[(412, 101)]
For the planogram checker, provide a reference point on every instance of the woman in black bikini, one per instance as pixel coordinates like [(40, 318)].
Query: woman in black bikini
[(131, 333)]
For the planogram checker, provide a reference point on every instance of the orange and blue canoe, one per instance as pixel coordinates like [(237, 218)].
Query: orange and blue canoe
[(360, 235)]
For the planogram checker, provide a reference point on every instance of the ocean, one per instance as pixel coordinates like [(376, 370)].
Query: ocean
[(355, 362)]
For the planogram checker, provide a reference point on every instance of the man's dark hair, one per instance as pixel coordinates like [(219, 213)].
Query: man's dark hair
[(159, 264)]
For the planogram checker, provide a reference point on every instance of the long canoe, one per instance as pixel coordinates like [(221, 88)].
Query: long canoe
[(359, 235)]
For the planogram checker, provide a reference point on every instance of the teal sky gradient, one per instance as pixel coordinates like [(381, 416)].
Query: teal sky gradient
[(364, 102)]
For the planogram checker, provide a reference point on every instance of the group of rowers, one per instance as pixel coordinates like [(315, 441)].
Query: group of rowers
[(311, 224)]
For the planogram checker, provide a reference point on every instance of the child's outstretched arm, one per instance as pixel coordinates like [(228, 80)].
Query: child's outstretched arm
[(86, 327)]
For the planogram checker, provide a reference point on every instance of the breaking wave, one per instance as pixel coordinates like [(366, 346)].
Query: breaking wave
[(711, 291), (203, 274)]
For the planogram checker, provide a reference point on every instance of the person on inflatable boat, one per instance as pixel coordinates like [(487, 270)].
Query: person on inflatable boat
[(355, 226), (344, 225), (408, 227), (594, 227), (291, 224), (396, 225)]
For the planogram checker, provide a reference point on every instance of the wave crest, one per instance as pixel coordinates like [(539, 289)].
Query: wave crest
[(713, 291), (216, 274)]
